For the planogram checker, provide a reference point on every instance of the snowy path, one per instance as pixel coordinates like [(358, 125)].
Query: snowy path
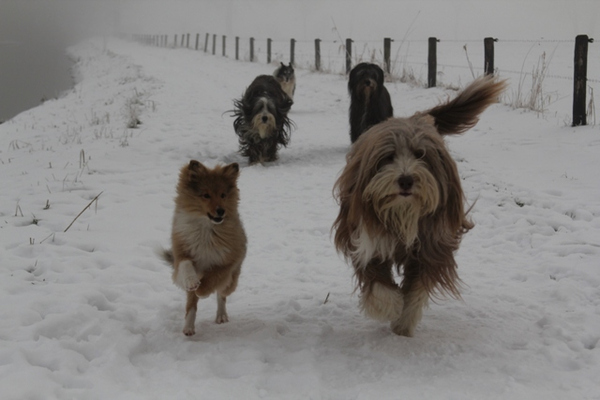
[(91, 313)]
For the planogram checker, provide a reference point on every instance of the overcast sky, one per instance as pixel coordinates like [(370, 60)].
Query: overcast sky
[(34, 33)]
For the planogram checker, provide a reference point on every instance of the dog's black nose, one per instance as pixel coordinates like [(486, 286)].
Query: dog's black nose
[(220, 212), (367, 82), (406, 182), (265, 119)]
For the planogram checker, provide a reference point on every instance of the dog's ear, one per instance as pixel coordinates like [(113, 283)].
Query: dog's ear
[(282, 64), (452, 219), (195, 169), (462, 113), (232, 170), (423, 118), (380, 75)]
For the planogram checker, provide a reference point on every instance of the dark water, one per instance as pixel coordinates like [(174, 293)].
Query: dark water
[(31, 71), (34, 35)]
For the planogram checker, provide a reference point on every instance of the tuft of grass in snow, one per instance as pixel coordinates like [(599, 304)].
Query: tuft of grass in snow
[(535, 99)]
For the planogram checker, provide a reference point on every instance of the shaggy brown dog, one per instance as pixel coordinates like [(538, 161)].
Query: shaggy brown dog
[(402, 205), (209, 242)]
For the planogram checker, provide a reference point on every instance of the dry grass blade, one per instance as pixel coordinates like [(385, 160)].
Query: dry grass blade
[(82, 211)]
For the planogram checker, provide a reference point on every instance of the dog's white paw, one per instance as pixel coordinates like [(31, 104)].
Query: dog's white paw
[(189, 331), (403, 328), (186, 277), (382, 302), (222, 318), (191, 282), (190, 321)]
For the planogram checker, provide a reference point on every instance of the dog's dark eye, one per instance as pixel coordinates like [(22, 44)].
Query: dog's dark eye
[(206, 196), (222, 195), (385, 161), (419, 153)]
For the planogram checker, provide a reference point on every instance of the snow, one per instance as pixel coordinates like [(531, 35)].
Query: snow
[(91, 313)]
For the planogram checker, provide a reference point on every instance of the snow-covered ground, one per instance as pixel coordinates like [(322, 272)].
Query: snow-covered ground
[(91, 313)]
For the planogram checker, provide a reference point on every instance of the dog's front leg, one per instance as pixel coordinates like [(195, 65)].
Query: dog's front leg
[(416, 298), (380, 296), (189, 329), (186, 277), (222, 316)]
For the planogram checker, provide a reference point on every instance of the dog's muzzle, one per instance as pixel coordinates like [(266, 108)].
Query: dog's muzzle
[(405, 183), (218, 218)]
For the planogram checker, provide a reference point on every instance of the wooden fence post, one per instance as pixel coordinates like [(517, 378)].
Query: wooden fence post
[(237, 47), (387, 47), (175, 41), (187, 41), (197, 40), (251, 49), (318, 54), (224, 41), (488, 52), (214, 44), (580, 80), (206, 42), (182, 40), (292, 51), (348, 55), (432, 62), (269, 50)]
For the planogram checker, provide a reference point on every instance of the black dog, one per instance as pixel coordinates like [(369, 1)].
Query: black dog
[(370, 101), (261, 120)]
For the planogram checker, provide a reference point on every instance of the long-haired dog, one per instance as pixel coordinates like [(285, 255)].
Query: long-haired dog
[(401, 204), (370, 101), (287, 78), (262, 122), (208, 238)]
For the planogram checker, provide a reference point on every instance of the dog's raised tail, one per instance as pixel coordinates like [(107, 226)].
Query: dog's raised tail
[(462, 113)]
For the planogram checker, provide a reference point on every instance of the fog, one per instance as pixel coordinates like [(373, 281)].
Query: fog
[(364, 19), (35, 33)]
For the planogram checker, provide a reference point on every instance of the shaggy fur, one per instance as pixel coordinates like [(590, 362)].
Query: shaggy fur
[(402, 206), (261, 122), (209, 242), (370, 101), (287, 79)]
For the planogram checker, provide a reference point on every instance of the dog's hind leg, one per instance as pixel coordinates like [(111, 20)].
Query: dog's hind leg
[(416, 298), (190, 314)]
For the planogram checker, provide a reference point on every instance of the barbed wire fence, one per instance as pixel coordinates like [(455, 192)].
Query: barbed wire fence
[(429, 62)]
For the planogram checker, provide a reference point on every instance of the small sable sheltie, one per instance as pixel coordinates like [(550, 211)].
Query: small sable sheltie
[(261, 120), (208, 238), (287, 79), (370, 101)]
